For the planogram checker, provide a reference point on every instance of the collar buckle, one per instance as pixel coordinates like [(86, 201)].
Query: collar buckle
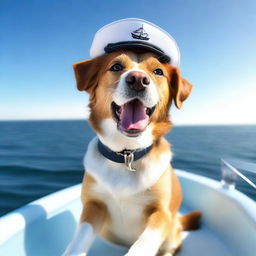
[(127, 156)]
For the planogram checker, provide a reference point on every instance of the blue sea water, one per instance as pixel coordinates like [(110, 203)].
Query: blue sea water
[(40, 157)]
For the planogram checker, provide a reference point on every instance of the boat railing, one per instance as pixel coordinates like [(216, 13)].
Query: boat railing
[(230, 173)]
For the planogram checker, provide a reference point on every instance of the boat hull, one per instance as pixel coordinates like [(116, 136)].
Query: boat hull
[(45, 227)]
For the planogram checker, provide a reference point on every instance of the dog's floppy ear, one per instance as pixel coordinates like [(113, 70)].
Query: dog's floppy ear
[(180, 87), (86, 73)]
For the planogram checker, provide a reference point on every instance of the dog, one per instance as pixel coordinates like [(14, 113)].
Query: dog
[(130, 193)]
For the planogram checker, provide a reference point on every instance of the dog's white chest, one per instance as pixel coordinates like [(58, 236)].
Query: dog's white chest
[(127, 214), (124, 192), (117, 179)]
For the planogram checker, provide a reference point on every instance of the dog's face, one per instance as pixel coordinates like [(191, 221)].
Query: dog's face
[(130, 93)]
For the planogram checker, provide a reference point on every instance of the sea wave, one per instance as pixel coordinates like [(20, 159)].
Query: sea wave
[(38, 158)]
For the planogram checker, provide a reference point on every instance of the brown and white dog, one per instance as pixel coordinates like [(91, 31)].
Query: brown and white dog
[(137, 205)]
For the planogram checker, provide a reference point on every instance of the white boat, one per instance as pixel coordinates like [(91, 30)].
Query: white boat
[(45, 226)]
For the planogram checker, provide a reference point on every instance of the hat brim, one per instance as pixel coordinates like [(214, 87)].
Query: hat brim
[(139, 47)]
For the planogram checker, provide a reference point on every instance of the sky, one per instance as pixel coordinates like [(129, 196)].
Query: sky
[(40, 40)]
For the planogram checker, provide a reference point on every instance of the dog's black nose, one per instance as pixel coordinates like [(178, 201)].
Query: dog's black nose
[(137, 80)]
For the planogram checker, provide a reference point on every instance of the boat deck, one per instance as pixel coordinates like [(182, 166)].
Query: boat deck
[(45, 227)]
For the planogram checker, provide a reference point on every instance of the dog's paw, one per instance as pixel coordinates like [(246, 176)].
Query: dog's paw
[(132, 254), (140, 251)]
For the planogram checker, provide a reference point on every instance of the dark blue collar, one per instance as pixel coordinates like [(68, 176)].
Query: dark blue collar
[(127, 156)]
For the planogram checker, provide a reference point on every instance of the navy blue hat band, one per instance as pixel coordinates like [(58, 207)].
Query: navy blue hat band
[(139, 47)]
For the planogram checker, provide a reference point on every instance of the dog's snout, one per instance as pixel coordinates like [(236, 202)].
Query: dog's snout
[(137, 80)]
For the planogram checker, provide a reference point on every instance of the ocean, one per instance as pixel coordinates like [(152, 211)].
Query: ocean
[(41, 157)]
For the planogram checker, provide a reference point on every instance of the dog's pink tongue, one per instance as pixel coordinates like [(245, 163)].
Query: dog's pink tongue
[(133, 116)]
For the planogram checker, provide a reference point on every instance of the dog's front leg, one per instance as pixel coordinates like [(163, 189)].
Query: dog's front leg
[(155, 233), (91, 221)]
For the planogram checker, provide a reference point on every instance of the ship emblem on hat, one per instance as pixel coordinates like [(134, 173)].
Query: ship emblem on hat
[(140, 33)]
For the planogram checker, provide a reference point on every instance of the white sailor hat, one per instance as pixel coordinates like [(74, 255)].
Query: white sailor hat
[(137, 35)]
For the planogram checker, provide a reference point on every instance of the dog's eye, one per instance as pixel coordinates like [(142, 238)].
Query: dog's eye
[(116, 67), (158, 72)]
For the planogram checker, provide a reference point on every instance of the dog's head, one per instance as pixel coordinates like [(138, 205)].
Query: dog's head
[(130, 95)]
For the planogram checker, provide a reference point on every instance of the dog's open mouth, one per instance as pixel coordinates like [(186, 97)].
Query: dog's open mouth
[(132, 118)]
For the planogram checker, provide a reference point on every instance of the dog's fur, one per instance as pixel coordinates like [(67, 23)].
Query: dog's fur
[(137, 209)]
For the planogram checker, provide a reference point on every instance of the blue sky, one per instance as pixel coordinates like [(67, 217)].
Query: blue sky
[(40, 40)]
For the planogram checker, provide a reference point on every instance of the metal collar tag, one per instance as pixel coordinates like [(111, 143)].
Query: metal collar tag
[(128, 160)]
